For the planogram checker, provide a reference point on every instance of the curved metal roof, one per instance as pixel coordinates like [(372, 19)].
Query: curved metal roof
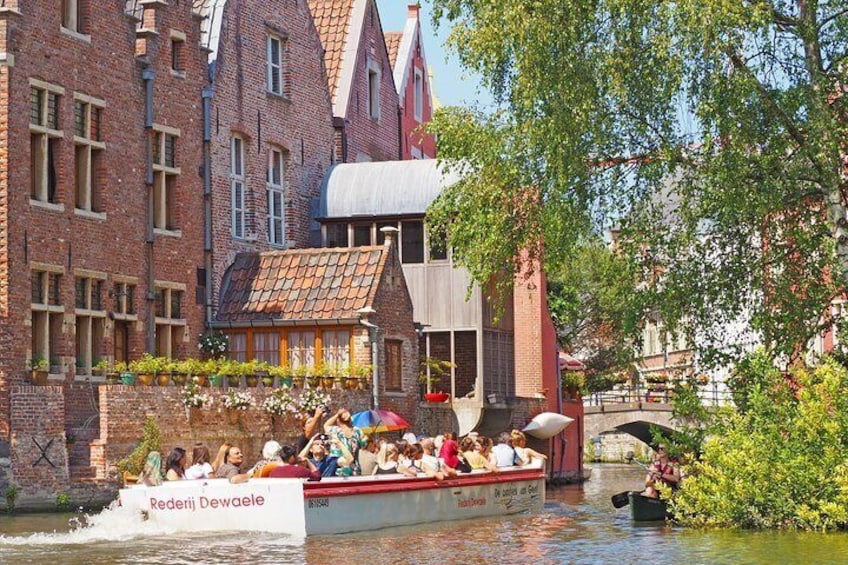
[(384, 188)]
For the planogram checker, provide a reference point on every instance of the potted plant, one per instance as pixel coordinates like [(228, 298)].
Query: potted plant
[(213, 344), (247, 369), (101, 367), (210, 368), (39, 368), (283, 374), (572, 383), (327, 373), (147, 368), (236, 401), (299, 375), (313, 379), (430, 374), (113, 372), (363, 377)]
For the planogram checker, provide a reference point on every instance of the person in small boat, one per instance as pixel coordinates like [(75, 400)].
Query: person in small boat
[(290, 467), (368, 456), (661, 471), (387, 462), (175, 465), (200, 468), (151, 474), (270, 458), (340, 426), (473, 457), (525, 454), (231, 468)]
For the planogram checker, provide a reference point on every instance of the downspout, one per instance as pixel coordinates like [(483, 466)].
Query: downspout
[(207, 96), (400, 133), (147, 76)]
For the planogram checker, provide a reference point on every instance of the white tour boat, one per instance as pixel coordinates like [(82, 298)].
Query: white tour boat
[(334, 505)]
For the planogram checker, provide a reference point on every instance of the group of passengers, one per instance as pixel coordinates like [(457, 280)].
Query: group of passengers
[(336, 447)]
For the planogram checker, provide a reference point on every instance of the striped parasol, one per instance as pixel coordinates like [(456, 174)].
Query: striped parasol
[(379, 421)]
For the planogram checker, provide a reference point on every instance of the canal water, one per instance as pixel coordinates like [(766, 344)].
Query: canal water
[(577, 525)]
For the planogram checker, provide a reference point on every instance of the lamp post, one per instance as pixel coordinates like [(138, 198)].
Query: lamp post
[(372, 338)]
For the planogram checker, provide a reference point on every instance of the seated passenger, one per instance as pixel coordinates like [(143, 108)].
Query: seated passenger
[(368, 456), (432, 464), (387, 462), (270, 458), (200, 466), (527, 455), (151, 475), (291, 468), (231, 468), (661, 472), (484, 447), (505, 454), (221, 456), (449, 450), (317, 451), (473, 457), (175, 465)]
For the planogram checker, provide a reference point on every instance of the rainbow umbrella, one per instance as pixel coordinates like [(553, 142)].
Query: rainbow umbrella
[(378, 421)]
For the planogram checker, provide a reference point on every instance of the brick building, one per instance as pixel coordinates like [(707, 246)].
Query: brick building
[(270, 126), (318, 309), (99, 243), (360, 78), (412, 80)]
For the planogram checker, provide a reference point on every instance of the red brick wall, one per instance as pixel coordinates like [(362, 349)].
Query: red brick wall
[(378, 139), (299, 124), (124, 409), (103, 67)]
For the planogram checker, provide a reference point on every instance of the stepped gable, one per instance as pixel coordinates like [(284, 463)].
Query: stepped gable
[(304, 284), (333, 21), (393, 39)]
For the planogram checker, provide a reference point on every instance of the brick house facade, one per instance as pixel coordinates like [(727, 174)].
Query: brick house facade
[(412, 80), (270, 126), (360, 79), (99, 245)]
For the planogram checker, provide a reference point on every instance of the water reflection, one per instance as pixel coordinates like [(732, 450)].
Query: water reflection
[(577, 525)]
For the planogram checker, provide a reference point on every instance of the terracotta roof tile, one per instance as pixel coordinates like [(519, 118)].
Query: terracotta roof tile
[(393, 39), (289, 285), (332, 20)]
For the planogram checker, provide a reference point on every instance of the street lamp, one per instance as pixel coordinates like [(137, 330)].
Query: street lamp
[(372, 337)]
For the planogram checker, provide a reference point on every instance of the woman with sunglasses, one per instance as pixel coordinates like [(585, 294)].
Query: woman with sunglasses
[(661, 471)]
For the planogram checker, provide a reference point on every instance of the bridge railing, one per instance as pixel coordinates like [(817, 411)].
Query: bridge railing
[(710, 395)]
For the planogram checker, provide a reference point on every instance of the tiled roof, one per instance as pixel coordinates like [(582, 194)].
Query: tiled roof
[(392, 45), (332, 20), (304, 284)]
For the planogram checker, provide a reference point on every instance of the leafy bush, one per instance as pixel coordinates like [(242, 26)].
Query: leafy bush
[(780, 463), (151, 439)]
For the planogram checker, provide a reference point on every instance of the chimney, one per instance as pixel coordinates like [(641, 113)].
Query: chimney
[(412, 10), (389, 235)]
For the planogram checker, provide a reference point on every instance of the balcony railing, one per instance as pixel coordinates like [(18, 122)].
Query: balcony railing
[(711, 395)]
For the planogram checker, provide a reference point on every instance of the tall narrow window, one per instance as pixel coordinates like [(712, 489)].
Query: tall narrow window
[(394, 365), (90, 321), (45, 137), (336, 348), (419, 96), (88, 147), (75, 15), (276, 197), (412, 241), (170, 323), (373, 85), (165, 175), (178, 39), (47, 314), (301, 349), (276, 75), (237, 186)]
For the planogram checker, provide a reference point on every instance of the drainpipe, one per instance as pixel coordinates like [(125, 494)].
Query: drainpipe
[(207, 96), (147, 76), (400, 133)]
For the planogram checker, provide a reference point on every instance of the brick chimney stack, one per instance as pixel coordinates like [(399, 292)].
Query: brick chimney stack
[(412, 10)]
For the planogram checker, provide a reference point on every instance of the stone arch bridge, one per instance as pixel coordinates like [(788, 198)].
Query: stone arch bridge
[(634, 418)]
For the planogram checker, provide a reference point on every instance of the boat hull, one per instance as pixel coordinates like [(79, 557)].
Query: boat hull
[(336, 505), (647, 509)]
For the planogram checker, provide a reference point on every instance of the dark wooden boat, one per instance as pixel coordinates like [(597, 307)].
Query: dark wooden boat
[(647, 509)]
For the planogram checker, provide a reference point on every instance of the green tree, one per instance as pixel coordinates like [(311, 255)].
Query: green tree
[(741, 216), (590, 297)]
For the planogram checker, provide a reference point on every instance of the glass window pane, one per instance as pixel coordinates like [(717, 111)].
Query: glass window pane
[(361, 235), (337, 235), (412, 242)]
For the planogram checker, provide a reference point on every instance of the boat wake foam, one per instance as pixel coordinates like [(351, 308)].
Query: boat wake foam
[(113, 523)]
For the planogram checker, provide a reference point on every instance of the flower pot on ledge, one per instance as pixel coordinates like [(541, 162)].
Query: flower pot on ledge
[(436, 396)]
